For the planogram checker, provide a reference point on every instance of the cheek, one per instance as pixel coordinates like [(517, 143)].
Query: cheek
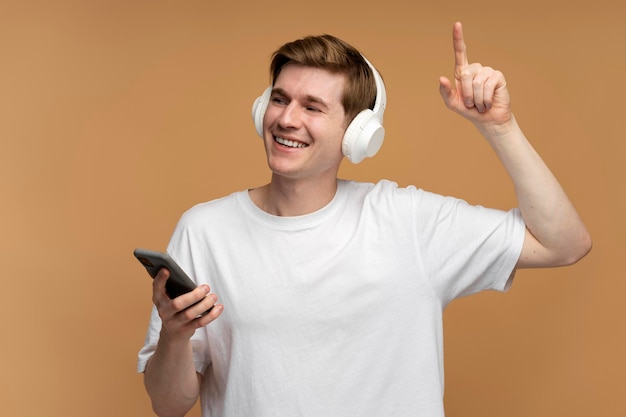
[(341, 131), (331, 134), (336, 137), (269, 116)]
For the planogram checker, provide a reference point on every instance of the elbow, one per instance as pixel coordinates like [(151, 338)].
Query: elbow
[(562, 250), (164, 412), (587, 245), (170, 410), (578, 249)]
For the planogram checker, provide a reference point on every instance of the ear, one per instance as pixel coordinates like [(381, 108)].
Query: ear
[(258, 110), (365, 134)]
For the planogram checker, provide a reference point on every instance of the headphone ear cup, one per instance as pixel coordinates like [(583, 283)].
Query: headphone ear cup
[(364, 136), (258, 110)]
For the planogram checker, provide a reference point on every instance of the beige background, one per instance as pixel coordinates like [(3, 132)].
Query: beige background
[(116, 116)]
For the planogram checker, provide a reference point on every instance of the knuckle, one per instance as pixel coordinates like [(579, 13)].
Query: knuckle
[(188, 314), (178, 304)]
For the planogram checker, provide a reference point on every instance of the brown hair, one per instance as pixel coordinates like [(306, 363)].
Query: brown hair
[(336, 56)]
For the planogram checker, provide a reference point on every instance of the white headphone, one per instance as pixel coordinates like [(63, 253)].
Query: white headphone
[(364, 136)]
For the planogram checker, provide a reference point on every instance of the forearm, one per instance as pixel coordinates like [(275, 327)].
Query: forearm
[(171, 379), (547, 211)]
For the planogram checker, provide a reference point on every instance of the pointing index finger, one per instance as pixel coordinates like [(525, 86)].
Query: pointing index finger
[(460, 50)]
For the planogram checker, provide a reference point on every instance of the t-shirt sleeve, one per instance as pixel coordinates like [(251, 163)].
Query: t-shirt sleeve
[(178, 249), (198, 342), (466, 248)]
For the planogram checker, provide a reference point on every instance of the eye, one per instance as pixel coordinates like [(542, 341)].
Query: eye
[(313, 109), (278, 100)]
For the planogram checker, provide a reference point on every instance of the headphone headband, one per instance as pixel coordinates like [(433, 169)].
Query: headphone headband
[(381, 93)]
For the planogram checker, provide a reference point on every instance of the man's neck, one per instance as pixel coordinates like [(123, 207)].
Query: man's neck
[(288, 198)]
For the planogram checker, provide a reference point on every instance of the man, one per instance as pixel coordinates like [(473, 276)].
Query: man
[(331, 291)]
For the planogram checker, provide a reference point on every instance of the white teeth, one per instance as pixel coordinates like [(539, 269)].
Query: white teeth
[(290, 143)]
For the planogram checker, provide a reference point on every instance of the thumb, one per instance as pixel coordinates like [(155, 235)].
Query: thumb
[(445, 89)]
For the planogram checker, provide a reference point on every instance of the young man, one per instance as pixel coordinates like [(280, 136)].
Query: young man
[(332, 291)]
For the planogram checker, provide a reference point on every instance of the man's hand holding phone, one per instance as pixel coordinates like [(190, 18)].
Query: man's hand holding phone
[(182, 315), (182, 306)]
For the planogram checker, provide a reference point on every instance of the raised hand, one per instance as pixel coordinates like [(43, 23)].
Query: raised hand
[(480, 94)]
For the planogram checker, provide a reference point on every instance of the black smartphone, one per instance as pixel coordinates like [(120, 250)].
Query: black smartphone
[(178, 283)]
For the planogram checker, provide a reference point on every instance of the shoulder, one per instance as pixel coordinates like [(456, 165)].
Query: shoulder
[(388, 193), (213, 209), (415, 203), (382, 188)]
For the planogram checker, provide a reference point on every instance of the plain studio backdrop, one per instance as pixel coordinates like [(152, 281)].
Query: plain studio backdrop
[(116, 116)]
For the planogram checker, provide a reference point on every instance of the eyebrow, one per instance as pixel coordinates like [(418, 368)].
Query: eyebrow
[(310, 98)]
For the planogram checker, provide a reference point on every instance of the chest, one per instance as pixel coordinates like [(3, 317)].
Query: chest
[(327, 279)]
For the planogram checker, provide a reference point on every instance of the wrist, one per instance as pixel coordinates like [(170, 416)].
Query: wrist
[(501, 129), (173, 342)]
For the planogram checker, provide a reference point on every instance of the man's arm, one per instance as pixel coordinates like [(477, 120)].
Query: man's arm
[(555, 235), (170, 376)]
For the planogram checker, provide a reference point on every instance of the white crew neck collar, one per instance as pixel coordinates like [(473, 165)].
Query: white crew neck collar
[(294, 222)]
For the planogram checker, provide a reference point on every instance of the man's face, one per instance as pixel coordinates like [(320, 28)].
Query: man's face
[(304, 123)]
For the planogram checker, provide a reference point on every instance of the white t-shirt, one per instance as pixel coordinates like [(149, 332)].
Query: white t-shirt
[(339, 312)]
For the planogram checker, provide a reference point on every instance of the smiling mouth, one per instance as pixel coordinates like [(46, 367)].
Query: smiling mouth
[(290, 143)]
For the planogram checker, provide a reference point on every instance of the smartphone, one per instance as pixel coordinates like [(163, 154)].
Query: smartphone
[(178, 283)]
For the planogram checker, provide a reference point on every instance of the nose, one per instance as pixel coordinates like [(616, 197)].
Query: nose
[(289, 117)]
